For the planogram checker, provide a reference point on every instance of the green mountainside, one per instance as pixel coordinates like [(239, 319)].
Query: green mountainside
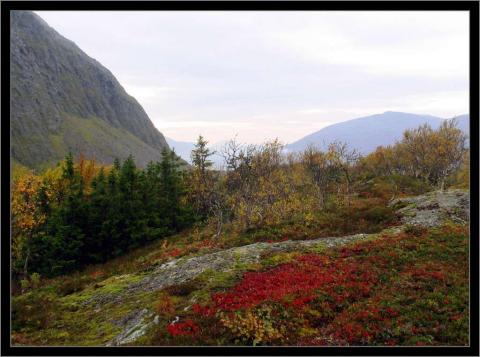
[(62, 100)]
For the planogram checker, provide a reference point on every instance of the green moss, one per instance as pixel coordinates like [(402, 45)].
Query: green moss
[(111, 286), (317, 248), (88, 325), (283, 258), (212, 280), (116, 284), (218, 279)]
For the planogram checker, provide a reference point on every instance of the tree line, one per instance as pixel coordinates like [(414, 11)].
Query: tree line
[(77, 214), (82, 213)]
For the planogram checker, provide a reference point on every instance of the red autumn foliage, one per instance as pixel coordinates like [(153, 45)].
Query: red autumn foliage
[(424, 274), (203, 310), (360, 327), (206, 244), (340, 279), (96, 274), (186, 328), (354, 295), (175, 252)]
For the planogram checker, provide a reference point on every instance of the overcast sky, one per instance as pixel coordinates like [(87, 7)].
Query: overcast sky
[(263, 75)]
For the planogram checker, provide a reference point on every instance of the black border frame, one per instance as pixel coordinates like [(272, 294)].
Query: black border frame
[(471, 6)]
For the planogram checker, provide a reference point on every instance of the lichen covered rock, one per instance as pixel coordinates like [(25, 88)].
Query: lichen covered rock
[(432, 209)]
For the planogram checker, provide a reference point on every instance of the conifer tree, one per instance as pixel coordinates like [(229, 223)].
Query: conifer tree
[(201, 184)]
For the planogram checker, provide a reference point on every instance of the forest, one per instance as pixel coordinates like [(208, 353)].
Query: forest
[(82, 213)]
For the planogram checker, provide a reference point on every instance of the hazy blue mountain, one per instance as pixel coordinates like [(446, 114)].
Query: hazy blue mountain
[(367, 133), (464, 123), (182, 148), (63, 100)]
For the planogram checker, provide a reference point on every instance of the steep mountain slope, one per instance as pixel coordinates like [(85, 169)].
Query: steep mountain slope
[(366, 133), (62, 100)]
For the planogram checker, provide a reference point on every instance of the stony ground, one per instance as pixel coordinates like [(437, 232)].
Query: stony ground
[(431, 209), (426, 210)]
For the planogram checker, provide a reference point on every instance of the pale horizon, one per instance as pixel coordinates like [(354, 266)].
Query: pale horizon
[(266, 75)]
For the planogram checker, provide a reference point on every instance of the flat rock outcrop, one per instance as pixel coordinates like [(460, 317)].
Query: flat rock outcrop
[(432, 209)]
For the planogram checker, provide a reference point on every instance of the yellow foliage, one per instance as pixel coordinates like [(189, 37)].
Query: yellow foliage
[(24, 202), (25, 213), (254, 326)]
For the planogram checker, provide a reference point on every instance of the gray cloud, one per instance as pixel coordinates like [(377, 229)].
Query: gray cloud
[(277, 74)]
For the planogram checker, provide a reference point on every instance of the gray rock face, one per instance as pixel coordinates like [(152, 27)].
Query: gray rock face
[(134, 325), (433, 208), (61, 100)]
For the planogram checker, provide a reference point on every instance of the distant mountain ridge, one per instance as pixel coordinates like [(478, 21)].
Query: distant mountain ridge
[(62, 100), (367, 133)]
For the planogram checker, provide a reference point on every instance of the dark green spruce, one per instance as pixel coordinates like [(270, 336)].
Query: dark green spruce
[(125, 209)]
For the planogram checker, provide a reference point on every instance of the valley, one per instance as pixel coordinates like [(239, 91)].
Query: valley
[(357, 234)]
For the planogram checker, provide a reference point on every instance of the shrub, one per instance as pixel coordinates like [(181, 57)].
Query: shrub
[(416, 231), (165, 306), (254, 326), (31, 282), (362, 216), (32, 311), (183, 289), (72, 284), (35, 280), (25, 284), (186, 328)]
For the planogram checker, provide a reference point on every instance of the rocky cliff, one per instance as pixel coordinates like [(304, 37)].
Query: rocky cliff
[(62, 100)]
